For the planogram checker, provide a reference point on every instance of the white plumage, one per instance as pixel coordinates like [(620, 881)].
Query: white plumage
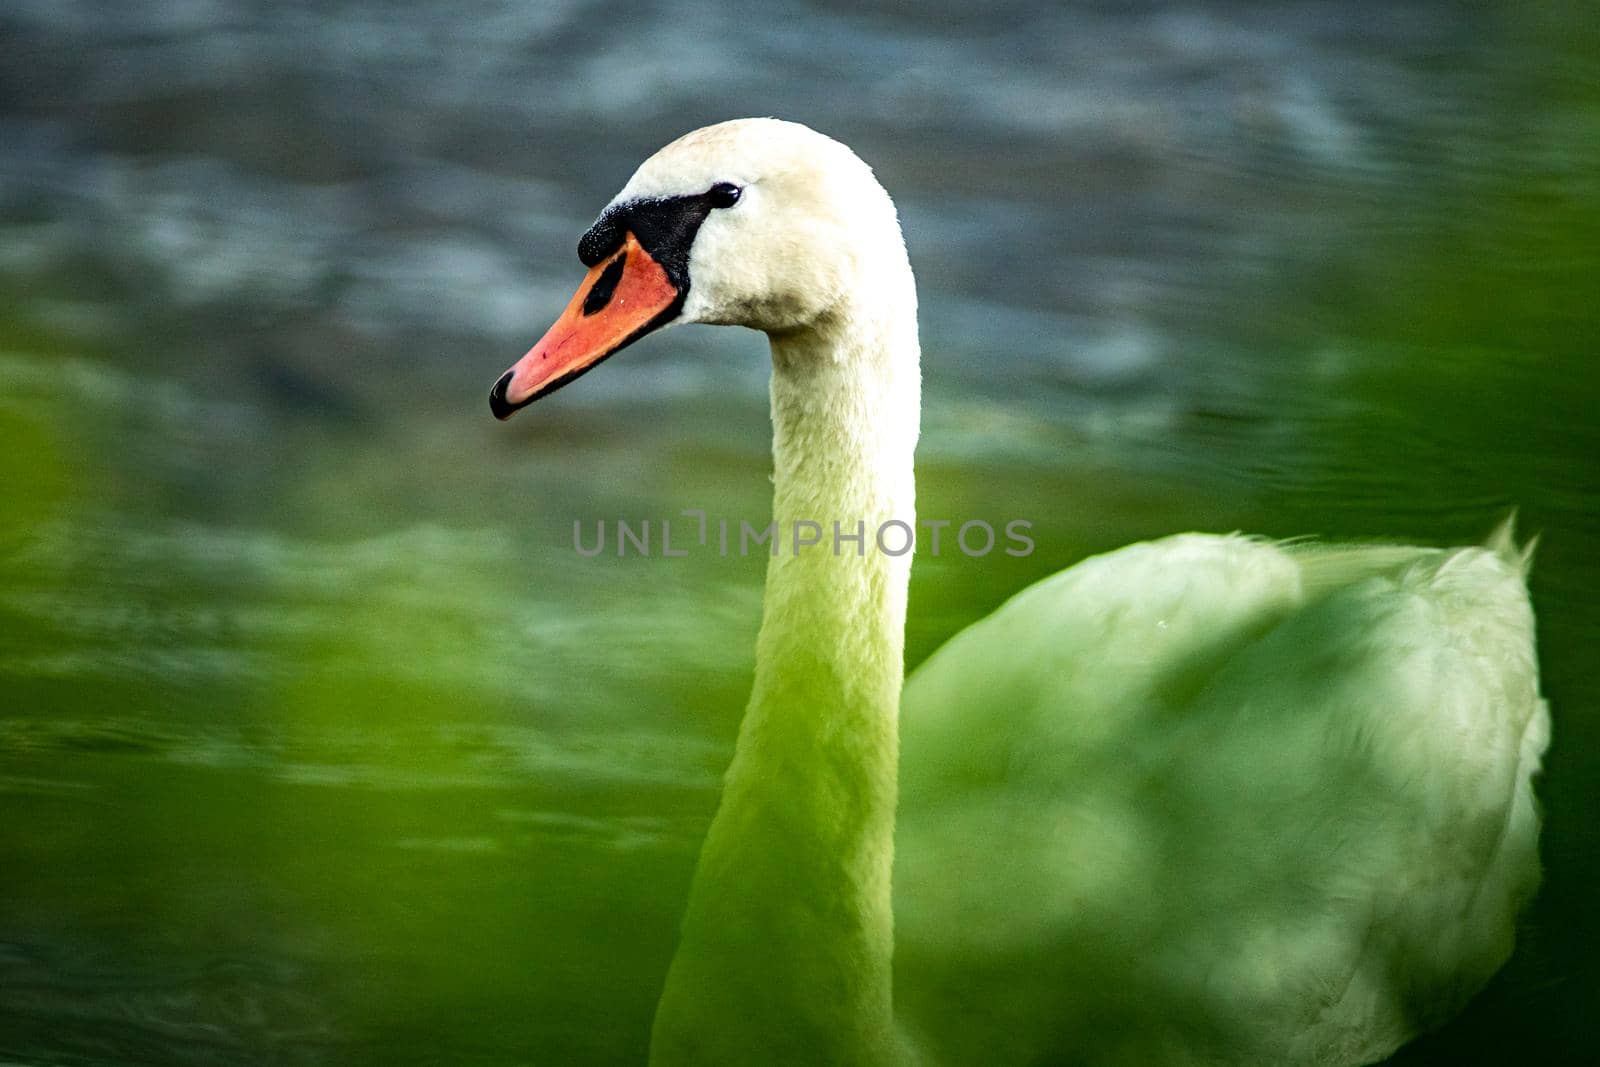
[(1207, 799), (1252, 803)]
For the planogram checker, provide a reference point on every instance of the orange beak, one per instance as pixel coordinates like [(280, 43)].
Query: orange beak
[(623, 298)]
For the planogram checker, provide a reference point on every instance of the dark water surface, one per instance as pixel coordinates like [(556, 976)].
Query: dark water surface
[(319, 744)]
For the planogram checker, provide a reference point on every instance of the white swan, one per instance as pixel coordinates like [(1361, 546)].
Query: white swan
[(1208, 799)]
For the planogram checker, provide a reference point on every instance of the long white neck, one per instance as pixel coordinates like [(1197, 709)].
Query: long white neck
[(786, 950)]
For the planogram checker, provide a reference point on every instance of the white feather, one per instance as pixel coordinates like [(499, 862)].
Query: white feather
[(1249, 804)]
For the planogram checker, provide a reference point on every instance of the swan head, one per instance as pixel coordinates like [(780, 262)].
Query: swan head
[(754, 222)]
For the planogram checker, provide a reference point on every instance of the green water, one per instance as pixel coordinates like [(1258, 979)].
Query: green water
[(292, 780), (318, 741)]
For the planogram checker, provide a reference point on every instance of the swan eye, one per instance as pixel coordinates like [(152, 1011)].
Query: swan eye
[(724, 194)]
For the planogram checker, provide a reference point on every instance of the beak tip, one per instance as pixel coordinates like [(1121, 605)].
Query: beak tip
[(499, 406)]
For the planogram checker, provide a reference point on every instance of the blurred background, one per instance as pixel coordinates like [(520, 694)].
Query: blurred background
[(319, 743)]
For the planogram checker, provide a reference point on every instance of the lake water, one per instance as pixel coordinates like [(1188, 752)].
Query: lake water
[(318, 742)]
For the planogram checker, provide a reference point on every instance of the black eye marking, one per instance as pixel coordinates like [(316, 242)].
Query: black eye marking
[(664, 227), (604, 286)]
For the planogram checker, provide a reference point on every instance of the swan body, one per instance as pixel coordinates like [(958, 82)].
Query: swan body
[(1264, 804), (1208, 799)]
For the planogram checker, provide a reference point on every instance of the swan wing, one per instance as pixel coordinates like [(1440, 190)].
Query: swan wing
[(1216, 796), (1078, 664)]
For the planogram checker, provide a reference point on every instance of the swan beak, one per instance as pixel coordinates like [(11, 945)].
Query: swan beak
[(623, 298)]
